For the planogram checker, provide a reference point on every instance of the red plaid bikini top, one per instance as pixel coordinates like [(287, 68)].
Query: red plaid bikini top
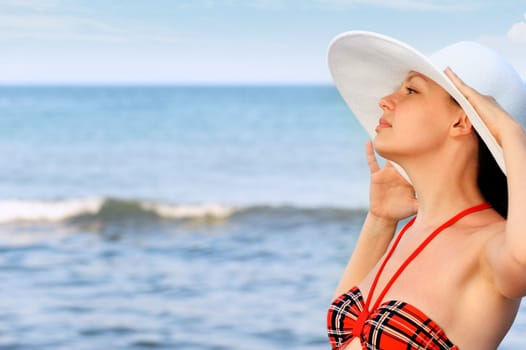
[(392, 325)]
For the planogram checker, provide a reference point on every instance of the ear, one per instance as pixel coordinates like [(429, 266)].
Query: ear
[(461, 124)]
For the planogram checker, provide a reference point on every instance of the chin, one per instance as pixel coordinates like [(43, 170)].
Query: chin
[(381, 147), (384, 150)]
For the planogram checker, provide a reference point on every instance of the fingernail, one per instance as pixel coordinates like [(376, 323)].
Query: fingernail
[(451, 71)]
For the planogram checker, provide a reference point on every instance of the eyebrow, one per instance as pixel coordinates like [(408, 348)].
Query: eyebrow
[(413, 75)]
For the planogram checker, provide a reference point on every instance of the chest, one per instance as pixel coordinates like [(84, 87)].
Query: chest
[(439, 275)]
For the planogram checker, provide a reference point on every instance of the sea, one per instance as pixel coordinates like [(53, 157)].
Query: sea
[(177, 217)]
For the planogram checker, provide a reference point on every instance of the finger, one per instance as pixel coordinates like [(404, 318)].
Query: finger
[(453, 76), (466, 90), (371, 157), (459, 83), (477, 100)]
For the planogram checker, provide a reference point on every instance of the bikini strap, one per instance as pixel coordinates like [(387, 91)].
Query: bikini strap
[(391, 251), (417, 251)]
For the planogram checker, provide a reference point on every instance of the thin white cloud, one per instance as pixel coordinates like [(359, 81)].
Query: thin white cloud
[(34, 5), (266, 4), (72, 28), (48, 20), (56, 28), (407, 5), (257, 4), (517, 32), (40, 6), (26, 24), (512, 45)]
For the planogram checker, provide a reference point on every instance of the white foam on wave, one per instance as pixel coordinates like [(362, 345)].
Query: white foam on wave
[(197, 211), (61, 210), (47, 211), (109, 208)]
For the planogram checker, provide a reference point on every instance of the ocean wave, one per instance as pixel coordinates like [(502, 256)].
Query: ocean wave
[(110, 209), (47, 211)]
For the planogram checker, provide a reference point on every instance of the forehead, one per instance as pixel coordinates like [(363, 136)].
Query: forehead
[(412, 75)]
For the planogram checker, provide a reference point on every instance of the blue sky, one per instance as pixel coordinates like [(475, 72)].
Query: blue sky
[(229, 41)]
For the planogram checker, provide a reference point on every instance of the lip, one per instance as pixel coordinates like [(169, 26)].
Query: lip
[(383, 124)]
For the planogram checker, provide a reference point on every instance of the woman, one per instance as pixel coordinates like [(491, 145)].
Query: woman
[(454, 276)]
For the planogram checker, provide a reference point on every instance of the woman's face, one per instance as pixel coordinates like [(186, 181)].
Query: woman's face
[(416, 118)]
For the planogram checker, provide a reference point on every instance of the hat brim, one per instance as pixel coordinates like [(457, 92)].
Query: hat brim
[(367, 66)]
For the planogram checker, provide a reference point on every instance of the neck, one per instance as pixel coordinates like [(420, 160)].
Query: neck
[(443, 188)]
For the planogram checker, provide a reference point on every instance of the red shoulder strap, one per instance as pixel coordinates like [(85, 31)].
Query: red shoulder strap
[(417, 251)]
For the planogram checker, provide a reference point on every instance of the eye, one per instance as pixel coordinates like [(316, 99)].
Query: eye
[(410, 91)]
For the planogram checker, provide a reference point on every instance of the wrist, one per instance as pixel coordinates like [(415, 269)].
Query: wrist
[(380, 223)]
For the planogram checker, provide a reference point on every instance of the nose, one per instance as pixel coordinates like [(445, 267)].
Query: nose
[(387, 103)]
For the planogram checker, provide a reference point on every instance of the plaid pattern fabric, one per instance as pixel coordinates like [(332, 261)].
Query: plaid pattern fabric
[(394, 325)]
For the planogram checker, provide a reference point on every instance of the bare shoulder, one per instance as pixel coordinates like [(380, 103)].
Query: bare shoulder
[(491, 225), (484, 225), (483, 228)]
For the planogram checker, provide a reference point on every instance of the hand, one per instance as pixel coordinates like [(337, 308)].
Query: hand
[(487, 107), (391, 196)]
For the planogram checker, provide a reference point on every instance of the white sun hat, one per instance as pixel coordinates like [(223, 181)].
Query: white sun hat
[(367, 66)]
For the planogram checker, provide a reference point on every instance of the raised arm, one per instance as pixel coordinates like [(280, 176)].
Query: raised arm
[(392, 198), (505, 253)]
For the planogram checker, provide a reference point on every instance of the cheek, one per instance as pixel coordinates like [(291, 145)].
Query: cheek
[(410, 134), (416, 120)]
